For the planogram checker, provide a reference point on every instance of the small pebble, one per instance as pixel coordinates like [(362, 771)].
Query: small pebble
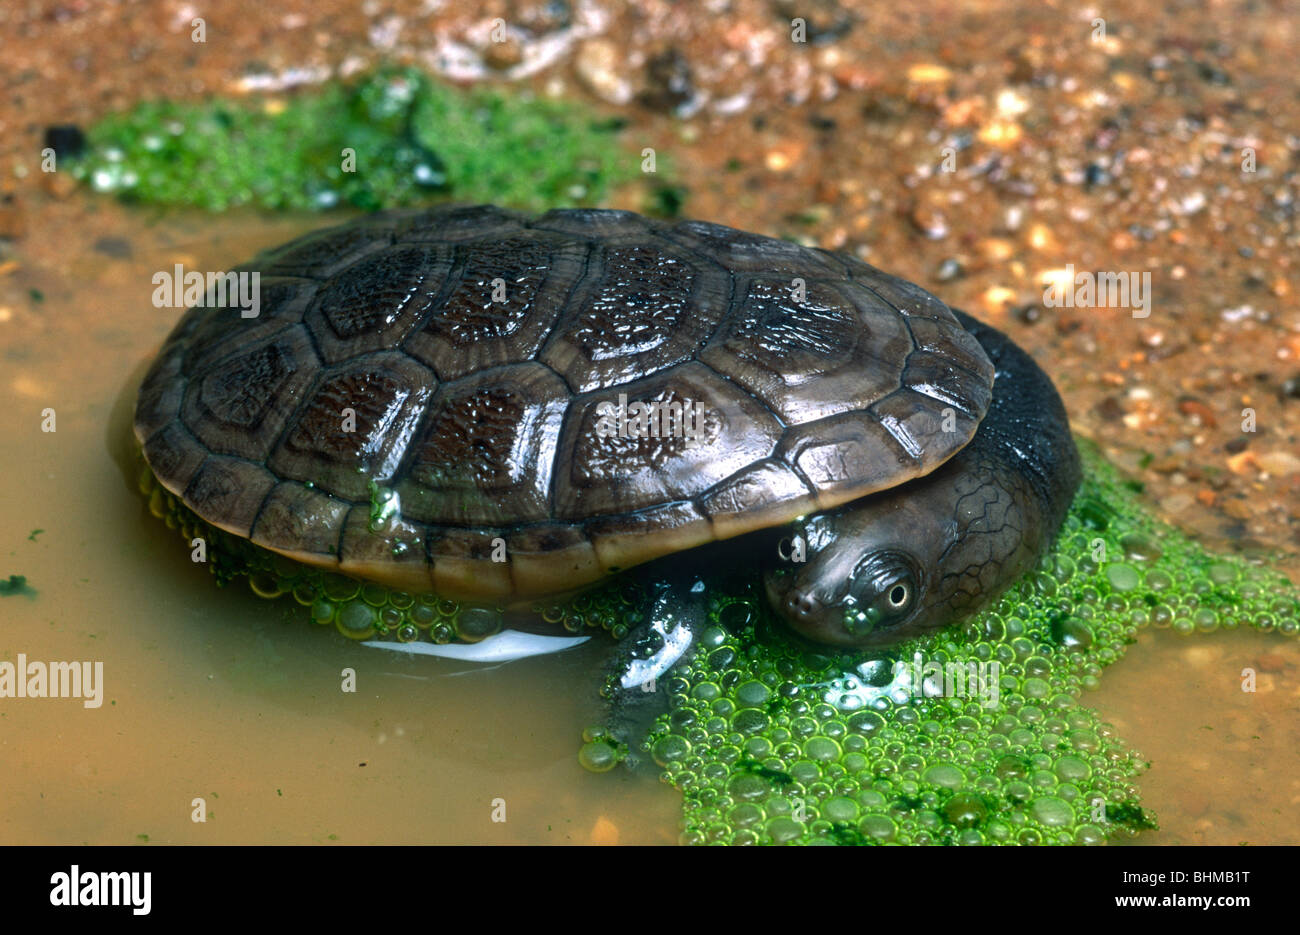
[(1278, 463), (669, 85), (929, 74), (1095, 175), (598, 67), (13, 219), (1191, 406), (949, 270), (504, 55), (1109, 409), (1237, 508), (930, 221), (116, 247), (66, 140), (1199, 656)]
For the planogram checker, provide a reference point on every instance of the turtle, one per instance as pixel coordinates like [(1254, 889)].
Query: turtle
[(473, 408)]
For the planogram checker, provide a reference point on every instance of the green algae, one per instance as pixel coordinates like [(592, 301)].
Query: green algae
[(844, 749), (16, 584), (389, 139)]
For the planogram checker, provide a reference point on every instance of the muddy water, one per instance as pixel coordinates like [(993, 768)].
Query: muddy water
[(217, 695)]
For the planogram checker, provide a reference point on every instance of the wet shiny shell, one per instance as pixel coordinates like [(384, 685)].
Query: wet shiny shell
[(385, 417)]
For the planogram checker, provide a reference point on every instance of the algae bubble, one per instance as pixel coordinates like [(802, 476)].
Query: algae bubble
[(974, 735)]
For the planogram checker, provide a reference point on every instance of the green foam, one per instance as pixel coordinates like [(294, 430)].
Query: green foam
[(771, 744)]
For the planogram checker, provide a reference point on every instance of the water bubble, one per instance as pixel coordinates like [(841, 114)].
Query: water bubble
[(1122, 577), (671, 748), (944, 775), (322, 611), (598, 756), (1052, 811), (357, 620), (965, 811), (878, 827), (477, 623), (1140, 547)]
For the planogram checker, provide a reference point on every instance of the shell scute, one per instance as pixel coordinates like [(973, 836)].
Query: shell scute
[(355, 425), (809, 352), (615, 469), (506, 296), (240, 404), (485, 452), (640, 309), (376, 302)]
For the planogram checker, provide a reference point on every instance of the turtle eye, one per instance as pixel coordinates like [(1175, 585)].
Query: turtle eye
[(893, 599), (792, 548), (883, 589), (899, 596)]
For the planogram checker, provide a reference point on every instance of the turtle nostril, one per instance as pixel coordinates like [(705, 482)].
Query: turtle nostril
[(801, 605)]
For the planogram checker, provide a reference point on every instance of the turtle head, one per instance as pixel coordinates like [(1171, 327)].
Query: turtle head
[(896, 564), (899, 563), (842, 579)]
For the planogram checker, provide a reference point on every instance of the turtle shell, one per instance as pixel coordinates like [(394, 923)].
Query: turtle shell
[(418, 401)]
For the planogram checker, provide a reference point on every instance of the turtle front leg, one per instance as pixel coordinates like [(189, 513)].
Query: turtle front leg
[(673, 615), (676, 611)]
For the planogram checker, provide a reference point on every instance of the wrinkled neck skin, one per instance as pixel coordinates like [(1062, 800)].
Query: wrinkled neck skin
[(954, 539)]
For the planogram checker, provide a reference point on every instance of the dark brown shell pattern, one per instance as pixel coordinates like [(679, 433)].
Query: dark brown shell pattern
[(818, 379)]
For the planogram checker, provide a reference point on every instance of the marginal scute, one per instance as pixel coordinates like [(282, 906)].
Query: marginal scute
[(463, 567), (161, 395), (540, 554), (923, 426), (299, 521), (220, 328), (228, 493), (457, 223), (847, 456), (174, 454), (743, 252), (952, 341), (322, 254), (936, 376), (592, 223), (766, 494), (391, 549), (623, 541), (910, 299)]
